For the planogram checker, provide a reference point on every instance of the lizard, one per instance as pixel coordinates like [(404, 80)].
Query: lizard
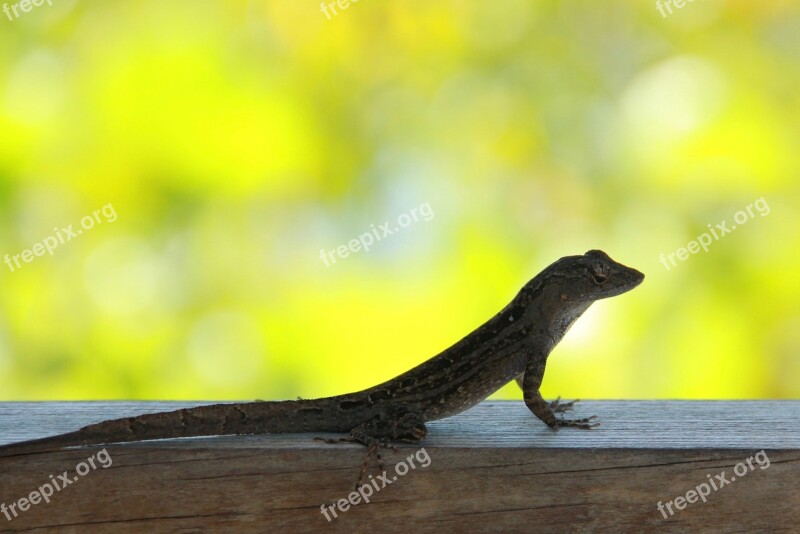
[(512, 345)]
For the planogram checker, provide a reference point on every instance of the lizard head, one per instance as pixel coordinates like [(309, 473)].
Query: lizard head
[(594, 276), (563, 291)]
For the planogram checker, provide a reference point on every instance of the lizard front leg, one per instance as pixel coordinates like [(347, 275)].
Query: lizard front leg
[(530, 382), (557, 406)]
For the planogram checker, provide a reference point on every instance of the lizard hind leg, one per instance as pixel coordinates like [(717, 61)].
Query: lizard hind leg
[(392, 424)]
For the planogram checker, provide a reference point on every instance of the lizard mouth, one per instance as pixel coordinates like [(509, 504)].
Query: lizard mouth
[(637, 277), (628, 279)]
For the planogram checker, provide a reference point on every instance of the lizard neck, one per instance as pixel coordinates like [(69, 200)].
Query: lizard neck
[(550, 308)]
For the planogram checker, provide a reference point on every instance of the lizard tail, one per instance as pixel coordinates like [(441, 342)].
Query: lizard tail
[(52, 443), (212, 420)]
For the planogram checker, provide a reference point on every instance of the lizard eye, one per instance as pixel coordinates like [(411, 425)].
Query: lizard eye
[(598, 278)]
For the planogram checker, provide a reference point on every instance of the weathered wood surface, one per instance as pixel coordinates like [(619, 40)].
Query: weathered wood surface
[(492, 469)]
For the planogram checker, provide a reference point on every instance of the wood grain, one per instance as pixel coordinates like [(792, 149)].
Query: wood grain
[(494, 468)]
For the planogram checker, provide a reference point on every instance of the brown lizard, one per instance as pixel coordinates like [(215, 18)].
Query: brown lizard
[(514, 344)]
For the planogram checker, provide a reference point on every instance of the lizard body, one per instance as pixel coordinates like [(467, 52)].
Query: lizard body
[(513, 344)]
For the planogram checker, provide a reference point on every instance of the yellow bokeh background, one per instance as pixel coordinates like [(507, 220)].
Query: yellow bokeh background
[(234, 141)]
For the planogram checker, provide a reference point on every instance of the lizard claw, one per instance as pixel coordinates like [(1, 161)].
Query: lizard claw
[(560, 407), (374, 447), (585, 423)]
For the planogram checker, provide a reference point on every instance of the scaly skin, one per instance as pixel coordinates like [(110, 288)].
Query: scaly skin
[(513, 344)]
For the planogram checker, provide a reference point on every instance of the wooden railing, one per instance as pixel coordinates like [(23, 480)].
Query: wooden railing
[(649, 467)]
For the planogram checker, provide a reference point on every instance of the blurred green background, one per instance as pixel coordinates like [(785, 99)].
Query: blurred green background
[(233, 141)]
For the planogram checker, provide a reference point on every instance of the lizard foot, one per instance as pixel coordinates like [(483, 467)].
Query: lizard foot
[(559, 407), (585, 424), (373, 448)]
